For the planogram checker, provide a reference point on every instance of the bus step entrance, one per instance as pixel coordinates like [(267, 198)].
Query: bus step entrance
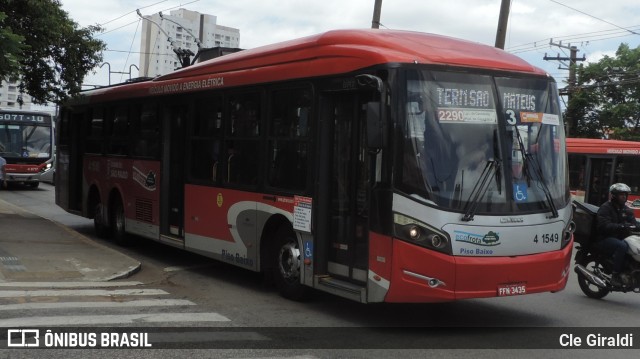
[(340, 287)]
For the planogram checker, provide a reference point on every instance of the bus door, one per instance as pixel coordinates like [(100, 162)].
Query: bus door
[(172, 185), (347, 177), (599, 180)]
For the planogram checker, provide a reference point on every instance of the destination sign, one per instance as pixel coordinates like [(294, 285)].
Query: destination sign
[(25, 117)]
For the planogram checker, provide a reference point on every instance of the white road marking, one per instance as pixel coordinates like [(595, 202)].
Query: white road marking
[(73, 320), (78, 292), (77, 305), (67, 284)]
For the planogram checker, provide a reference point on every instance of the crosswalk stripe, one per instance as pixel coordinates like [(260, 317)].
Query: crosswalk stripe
[(72, 320), (78, 292), (74, 305), (67, 284)]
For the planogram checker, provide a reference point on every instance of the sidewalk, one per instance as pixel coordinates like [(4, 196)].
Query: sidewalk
[(34, 249)]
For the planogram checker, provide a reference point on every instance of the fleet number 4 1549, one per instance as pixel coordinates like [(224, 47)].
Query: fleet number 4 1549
[(546, 238)]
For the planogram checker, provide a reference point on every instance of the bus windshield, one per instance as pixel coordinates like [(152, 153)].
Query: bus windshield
[(464, 147), (25, 141)]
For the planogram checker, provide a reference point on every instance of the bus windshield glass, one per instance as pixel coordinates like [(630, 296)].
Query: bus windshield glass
[(461, 146), (25, 141)]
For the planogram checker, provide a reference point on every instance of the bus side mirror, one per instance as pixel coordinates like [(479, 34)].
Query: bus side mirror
[(376, 111), (376, 129)]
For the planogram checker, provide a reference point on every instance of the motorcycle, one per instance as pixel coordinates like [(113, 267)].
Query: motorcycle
[(594, 268)]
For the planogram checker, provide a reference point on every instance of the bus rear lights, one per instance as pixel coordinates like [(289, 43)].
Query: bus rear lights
[(431, 282)]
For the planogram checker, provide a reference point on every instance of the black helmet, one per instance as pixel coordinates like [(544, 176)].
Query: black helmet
[(619, 188)]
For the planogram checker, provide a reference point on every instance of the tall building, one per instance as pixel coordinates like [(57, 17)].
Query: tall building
[(9, 94), (182, 27)]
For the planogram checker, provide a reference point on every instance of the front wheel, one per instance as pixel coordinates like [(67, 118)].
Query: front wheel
[(288, 261), (594, 266)]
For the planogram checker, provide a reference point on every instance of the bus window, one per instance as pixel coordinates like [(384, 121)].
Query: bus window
[(243, 141), (288, 121), (119, 131), (95, 131), (577, 176), (206, 139), (628, 171), (146, 132)]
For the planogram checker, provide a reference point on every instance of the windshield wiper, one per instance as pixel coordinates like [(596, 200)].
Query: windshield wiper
[(492, 167), (528, 158), (481, 187)]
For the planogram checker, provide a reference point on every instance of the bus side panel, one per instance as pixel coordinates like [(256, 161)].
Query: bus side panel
[(138, 184), (227, 224), (380, 266)]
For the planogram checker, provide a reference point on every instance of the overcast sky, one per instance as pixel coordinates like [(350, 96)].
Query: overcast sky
[(596, 27)]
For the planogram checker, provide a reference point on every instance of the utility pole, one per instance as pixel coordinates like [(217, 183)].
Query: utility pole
[(501, 33), (377, 8), (573, 59)]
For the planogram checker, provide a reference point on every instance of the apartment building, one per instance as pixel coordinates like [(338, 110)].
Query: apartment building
[(181, 29)]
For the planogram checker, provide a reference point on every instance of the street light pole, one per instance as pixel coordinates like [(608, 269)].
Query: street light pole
[(501, 34), (377, 8)]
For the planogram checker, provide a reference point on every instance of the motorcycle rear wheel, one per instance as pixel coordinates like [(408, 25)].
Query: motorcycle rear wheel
[(589, 289)]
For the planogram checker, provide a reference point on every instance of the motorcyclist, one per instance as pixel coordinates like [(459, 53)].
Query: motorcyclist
[(614, 222)]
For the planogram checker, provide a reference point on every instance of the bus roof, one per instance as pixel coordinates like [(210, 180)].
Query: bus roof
[(333, 52), (601, 146)]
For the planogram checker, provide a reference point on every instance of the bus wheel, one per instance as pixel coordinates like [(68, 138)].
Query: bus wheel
[(118, 223), (34, 185), (286, 269), (101, 229)]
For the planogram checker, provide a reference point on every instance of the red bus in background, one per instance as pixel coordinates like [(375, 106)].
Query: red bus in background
[(596, 164), (378, 165), (26, 143)]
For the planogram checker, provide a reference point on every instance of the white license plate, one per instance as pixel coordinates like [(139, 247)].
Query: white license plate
[(505, 290)]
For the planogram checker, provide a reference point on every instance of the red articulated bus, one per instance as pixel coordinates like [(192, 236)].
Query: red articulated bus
[(378, 165), (596, 164)]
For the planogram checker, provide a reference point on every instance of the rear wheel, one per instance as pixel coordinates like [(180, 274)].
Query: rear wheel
[(589, 289), (288, 261), (102, 230), (118, 223)]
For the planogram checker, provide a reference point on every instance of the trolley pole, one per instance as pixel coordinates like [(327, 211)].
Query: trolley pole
[(377, 8), (501, 33)]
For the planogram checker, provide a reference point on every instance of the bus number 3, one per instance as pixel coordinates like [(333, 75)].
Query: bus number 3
[(547, 238)]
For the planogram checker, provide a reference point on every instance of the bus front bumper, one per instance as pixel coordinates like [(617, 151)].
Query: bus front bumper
[(444, 277), (26, 177)]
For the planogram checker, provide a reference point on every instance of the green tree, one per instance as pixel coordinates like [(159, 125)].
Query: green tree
[(607, 97), (56, 53), (11, 48)]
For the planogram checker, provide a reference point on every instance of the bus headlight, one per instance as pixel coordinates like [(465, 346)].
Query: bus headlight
[(437, 241), (414, 233), (421, 234)]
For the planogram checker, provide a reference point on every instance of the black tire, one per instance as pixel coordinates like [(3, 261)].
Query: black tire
[(288, 259), (102, 230), (589, 289), (34, 185), (117, 221)]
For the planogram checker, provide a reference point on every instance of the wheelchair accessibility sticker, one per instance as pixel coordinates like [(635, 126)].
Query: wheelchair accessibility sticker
[(308, 249), (520, 192)]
